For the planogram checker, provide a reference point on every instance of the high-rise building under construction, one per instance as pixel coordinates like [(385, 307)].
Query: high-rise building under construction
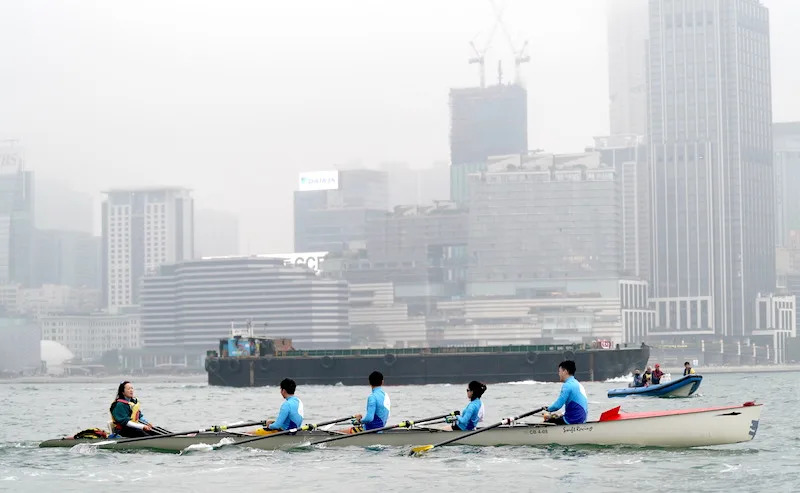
[(484, 121)]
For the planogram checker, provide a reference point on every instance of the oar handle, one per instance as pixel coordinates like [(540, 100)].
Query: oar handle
[(307, 427), (215, 428), (402, 424), (504, 421)]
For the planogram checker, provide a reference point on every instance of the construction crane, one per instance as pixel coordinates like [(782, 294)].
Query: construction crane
[(520, 55), (480, 55)]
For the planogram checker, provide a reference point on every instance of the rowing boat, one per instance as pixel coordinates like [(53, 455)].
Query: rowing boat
[(682, 387), (669, 429)]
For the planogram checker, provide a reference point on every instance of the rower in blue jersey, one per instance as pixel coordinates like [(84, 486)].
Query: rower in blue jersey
[(572, 398), (473, 413), (291, 413), (378, 405)]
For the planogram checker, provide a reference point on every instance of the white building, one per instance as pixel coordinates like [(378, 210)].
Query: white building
[(90, 335), (775, 322), (142, 230)]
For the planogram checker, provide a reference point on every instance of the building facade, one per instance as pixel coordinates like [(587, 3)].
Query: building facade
[(710, 136), (192, 304), (90, 335), (627, 66), (68, 258), (378, 320), (786, 156), (332, 208), (627, 154), (142, 230), (420, 249), (16, 217), (484, 121), (544, 222)]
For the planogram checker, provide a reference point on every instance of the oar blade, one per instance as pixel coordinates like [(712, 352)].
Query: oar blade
[(421, 449)]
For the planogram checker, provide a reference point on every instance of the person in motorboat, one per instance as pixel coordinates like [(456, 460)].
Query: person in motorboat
[(290, 415), (378, 406), (647, 378), (126, 414), (687, 369), (474, 412), (657, 374), (572, 398), (637, 379)]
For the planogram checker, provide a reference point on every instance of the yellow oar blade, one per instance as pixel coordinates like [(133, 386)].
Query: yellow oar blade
[(422, 448)]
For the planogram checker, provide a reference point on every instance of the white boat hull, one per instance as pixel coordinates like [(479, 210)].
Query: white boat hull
[(693, 428)]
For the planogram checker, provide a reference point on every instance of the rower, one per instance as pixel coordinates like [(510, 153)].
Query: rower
[(473, 413), (687, 369), (290, 415), (572, 398), (378, 406), (126, 415)]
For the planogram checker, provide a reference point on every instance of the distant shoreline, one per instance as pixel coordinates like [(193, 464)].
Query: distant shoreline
[(747, 369), (116, 379)]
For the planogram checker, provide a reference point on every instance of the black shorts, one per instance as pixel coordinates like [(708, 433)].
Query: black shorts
[(557, 421)]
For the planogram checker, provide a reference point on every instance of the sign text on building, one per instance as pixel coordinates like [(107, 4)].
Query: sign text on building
[(318, 180)]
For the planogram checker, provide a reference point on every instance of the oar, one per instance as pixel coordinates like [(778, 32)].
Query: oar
[(505, 421), (307, 427), (402, 424), (213, 428)]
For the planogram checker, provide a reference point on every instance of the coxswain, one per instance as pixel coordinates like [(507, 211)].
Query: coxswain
[(290, 415), (378, 406), (126, 415), (572, 398), (687, 369), (657, 374), (473, 413)]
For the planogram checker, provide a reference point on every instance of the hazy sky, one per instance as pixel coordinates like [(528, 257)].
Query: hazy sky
[(233, 98)]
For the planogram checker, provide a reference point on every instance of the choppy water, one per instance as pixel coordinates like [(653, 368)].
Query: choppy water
[(34, 412)]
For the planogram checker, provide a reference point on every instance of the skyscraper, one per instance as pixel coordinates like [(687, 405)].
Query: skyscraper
[(710, 135), (484, 121), (16, 216), (786, 152), (627, 66), (142, 230)]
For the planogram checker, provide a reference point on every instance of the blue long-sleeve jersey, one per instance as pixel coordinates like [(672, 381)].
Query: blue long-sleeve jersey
[(378, 407), (290, 415), (470, 416), (573, 399)]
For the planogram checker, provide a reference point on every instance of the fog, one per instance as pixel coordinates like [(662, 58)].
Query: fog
[(232, 99)]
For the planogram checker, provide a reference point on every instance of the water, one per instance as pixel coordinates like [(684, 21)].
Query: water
[(34, 412)]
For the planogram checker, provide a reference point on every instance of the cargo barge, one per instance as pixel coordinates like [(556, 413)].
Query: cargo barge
[(255, 362)]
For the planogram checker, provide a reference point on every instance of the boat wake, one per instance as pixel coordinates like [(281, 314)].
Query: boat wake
[(84, 449), (206, 447), (529, 382), (623, 379)]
